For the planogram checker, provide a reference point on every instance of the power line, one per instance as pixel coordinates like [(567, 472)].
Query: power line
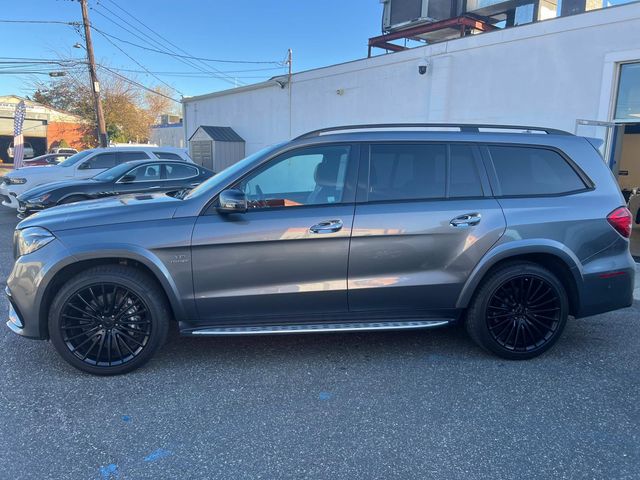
[(189, 63), (59, 22), (217, 60), (140, 65), (165, 41), (133, 82)]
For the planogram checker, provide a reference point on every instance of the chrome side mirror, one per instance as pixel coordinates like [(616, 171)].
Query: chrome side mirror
[(232, 201)]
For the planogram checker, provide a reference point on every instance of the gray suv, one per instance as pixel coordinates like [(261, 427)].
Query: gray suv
[(387, 227)]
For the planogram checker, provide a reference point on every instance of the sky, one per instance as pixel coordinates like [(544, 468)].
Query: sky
[(319, 33)]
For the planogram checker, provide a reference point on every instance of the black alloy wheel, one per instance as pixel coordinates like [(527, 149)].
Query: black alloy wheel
[(519, 310), (109, 319), (105, 324), (523, 313)]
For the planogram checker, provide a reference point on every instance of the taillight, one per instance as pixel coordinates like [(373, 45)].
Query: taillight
[(620, 219)]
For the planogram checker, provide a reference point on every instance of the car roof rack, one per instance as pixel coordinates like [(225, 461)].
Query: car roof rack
[(464, 127)]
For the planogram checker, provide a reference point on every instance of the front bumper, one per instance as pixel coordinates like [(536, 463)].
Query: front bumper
[(26, 287), (8, 198)]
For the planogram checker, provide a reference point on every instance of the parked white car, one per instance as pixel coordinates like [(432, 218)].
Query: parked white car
[(84, 164), (28, 150)]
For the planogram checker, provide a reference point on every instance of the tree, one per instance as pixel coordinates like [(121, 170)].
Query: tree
[(129, 113)]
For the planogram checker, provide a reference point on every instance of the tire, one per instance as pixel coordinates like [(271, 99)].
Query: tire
[(519, 311), (72, 199), (114, 316)]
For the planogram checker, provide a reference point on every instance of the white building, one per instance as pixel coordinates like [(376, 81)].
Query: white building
[(550, 73)]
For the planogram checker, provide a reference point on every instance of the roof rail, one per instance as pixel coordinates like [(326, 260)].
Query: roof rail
[(464, 127)]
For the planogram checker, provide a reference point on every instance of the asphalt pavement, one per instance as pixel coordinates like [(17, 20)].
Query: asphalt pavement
[(398, 405)]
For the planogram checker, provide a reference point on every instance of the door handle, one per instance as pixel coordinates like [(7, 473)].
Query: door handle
[(327, 226), (466, 220)]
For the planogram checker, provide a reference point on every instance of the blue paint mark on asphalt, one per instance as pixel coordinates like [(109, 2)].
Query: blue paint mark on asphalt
[(325, 396), (110, 472), (126, 418), (157, 455)]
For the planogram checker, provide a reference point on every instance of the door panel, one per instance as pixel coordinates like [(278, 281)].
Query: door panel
[(268, 262), (423, 221), (408, 256), (288, 254)]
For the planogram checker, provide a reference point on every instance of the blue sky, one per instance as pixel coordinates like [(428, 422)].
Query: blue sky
[(320, 33)]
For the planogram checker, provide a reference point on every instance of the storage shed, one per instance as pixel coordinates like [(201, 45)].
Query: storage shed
[(216, 147)]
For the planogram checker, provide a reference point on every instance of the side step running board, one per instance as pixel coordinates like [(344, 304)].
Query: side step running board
[(317, 328)]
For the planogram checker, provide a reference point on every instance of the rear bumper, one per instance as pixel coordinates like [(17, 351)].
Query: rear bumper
[(607, 290)]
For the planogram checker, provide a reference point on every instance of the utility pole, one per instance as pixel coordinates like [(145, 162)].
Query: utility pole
[(95, 86)]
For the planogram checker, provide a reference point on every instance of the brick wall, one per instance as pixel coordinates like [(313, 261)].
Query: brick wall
[(71, 132)]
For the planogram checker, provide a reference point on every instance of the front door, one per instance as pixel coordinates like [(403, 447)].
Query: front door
[(287, 256), (424, 219)]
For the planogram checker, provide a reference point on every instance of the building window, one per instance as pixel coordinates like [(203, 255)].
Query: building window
[(628, 101)]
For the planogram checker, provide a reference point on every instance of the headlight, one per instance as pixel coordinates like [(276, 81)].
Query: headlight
[(16, 180), (39, 199), (31, 239)]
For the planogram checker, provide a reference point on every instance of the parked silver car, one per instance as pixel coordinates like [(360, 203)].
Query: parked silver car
[(508, 229)]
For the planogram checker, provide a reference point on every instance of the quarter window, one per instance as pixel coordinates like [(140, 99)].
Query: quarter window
[(533, 171), (312, 176)]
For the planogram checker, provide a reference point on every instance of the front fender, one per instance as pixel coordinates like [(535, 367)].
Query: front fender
[(515, 248)]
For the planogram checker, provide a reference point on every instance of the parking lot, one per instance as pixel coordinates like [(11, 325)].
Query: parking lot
[(381, 405)]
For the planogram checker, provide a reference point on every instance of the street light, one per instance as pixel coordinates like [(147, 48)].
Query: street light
[(79, 45)]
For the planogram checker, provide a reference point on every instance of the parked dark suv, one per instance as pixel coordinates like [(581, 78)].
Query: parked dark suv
[(386, 227)]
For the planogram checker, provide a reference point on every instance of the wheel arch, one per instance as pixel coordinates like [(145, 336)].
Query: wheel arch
[(555, 257), (156, 271)]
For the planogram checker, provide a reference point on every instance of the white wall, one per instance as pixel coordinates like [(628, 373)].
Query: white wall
[(548, 74), (168, 136)]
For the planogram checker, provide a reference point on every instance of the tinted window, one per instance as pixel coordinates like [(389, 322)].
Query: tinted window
[(464, 179), (145, 173), (533, 171), (176, 171), (411, 171), (312, 176), (167, 155), (72, 160), (102, 160), (130, 156)]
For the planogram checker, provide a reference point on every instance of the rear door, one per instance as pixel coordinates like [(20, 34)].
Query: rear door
[(424, 218)]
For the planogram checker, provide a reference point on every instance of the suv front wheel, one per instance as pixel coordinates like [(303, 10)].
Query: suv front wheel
[(108, 320), (519, 311)]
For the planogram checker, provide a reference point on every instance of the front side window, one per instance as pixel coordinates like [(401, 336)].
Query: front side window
[(311, 176), (100, 161), (533, 171)]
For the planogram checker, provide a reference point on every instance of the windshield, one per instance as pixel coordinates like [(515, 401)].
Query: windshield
[(73, 159), (113, 173), (230, 172)]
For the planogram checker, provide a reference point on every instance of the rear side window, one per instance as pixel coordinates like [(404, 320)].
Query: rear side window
[(176, 171), (130, 156), (464, 178), (407, 171), (102, 160), (423, 171), (168, 155), (533, 171)]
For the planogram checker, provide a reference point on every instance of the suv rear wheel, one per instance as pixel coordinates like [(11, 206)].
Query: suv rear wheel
[(108, 320), (519, 311)]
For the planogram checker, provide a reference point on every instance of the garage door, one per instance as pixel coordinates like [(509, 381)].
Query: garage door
[(202, 153)]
